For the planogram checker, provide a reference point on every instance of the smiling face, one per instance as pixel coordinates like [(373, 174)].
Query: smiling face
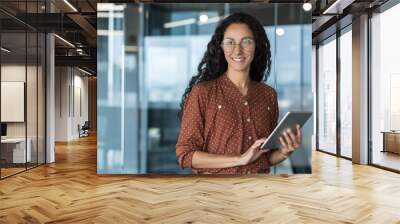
[(239, 47)]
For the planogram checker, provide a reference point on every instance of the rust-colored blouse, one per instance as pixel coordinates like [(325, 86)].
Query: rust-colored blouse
[(218, 119)]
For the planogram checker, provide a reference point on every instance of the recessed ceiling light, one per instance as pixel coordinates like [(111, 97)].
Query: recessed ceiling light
[(182, 22), (280, 31), (307, 6), (203, 18)]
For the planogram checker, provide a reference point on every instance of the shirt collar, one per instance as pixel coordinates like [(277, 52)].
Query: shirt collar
[(228, 84)]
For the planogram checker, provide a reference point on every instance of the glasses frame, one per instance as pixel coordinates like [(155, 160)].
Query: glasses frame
[(248, 48)]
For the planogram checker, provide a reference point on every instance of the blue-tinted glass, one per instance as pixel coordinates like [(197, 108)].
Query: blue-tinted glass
[(145, 68)]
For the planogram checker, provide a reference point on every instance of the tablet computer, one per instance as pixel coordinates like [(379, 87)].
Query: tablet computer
[(288, 121)]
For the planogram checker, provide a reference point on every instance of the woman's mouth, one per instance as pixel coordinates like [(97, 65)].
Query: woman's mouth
[(238, 59)]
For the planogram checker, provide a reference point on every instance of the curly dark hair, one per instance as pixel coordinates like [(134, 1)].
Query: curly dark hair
[(213, 64)]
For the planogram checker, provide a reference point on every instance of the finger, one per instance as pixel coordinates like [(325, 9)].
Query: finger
[(293, 138), (258, 143), (288, 140), (261, 140), (298, 133), (283, 143), (291, 135)]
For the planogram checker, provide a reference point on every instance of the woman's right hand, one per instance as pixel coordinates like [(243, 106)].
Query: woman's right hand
[(253, 153)]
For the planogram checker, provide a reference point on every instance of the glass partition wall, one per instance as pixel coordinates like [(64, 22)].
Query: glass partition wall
[(334, 89), (327, 79), (385, 90), (22, 77)]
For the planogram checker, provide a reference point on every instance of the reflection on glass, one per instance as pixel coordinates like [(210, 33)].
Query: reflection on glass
[(41, 79), (22, 91), (293, 84), (15, 150), (31, 101), (146, 55), (346, 94), (327, 96), (385, 85)]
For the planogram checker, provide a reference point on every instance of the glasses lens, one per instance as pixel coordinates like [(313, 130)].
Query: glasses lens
[(247, 43), (228, 45)]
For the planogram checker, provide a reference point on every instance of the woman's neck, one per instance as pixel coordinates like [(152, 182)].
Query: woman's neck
[(239, 78)]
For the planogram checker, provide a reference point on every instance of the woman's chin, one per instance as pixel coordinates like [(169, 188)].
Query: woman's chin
[(238, 68)]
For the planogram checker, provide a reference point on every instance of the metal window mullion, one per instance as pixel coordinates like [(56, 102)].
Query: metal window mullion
[(317, 97), (338, 98), (26, 87)]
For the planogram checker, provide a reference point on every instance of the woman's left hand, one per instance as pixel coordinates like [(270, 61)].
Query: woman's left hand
[(290, 141)]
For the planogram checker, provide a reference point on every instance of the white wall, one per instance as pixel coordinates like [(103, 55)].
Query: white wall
[(71, 87), (12, 73), (33, 126)]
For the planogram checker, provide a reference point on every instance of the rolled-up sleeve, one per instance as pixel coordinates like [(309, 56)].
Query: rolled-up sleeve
[(192, 127), (274, 119)]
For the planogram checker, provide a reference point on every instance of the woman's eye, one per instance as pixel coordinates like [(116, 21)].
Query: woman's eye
[(228, 42), (247, 42)]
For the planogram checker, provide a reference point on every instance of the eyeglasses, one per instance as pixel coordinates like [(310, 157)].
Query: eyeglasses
[(246, 44)]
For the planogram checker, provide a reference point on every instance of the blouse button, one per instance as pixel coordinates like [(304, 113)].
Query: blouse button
[(219, 107), (248, 172), (249, 137), (268, 108), (248, 119), (245, 103)]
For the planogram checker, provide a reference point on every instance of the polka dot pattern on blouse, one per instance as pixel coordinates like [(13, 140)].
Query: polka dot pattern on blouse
[(218, 119)]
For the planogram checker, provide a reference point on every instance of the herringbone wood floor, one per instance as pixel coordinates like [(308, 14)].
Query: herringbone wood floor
[(70, 191)]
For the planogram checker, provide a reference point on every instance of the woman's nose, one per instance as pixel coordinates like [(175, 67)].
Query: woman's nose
[(237, 49)]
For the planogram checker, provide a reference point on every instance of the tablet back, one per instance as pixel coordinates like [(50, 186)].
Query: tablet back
[(288, 121)]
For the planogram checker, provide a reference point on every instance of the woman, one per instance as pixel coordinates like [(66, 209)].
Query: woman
[(227, 111)]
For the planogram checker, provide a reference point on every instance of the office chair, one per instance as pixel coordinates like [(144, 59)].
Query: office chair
[(84, 130)]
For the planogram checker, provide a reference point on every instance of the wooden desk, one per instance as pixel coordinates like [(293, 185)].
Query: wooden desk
[(391, 141)]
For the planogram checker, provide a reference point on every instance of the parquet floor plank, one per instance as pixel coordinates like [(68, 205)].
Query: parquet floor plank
[(70, 191)]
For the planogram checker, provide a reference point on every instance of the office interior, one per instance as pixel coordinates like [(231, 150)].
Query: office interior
[(39, 108), (65, 51), (49, 72), (155, 75)]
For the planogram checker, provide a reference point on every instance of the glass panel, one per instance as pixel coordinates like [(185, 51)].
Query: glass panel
[(13, 87), (146, 56), (32, 85), (22, 79), (111, 96), (345, 94), (385, 84), (291, 77), (327, 96), (41, 79), (41, 98), (31, 100)]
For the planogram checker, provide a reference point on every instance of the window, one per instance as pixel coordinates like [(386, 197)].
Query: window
[(327, 96), (346, 93), (385, 87)]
